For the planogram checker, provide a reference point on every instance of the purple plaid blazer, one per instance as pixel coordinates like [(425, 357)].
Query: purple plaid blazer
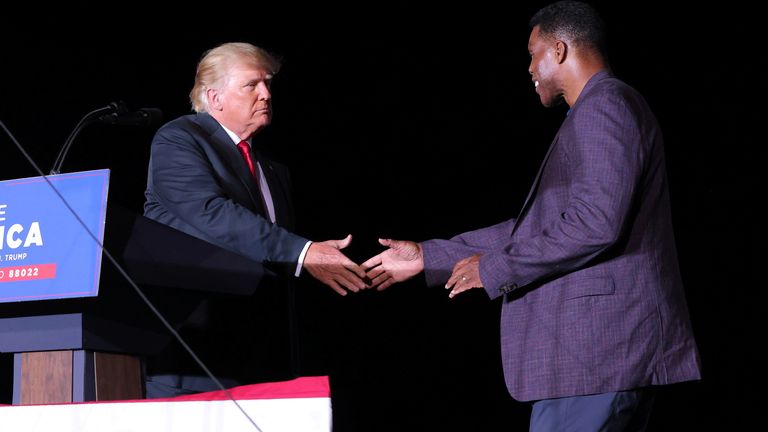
[(593, 299)]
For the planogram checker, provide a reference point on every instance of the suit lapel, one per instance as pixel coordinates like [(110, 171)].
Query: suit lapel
[(536, 182), (233, 161), (587, 88), (276, 190)]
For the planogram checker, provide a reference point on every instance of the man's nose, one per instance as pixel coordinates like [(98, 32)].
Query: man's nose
[(264, 92)]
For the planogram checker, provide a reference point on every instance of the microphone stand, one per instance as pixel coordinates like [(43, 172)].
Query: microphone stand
[(113, 107)]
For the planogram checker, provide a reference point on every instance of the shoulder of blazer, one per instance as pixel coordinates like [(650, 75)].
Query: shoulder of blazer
[(601, 90), (598, 83), (202, 122), (603, 82), (206, 123), (202, 125)]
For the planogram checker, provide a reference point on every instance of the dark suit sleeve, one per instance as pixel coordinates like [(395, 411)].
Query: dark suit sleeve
[(191, 188)]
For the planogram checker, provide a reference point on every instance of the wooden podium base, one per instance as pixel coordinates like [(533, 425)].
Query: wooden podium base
[(46, 377)]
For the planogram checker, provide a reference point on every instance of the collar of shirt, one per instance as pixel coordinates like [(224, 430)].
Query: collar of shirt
[(235, 139)]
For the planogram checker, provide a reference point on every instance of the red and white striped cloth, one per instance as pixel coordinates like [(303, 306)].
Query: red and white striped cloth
[(300, 405)]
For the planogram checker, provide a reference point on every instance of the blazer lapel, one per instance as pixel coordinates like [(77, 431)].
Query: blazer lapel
[(535, 185), (235, 165), (275, 189), (587, 88)]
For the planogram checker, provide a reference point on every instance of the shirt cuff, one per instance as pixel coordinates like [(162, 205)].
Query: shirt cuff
[(300, 264)]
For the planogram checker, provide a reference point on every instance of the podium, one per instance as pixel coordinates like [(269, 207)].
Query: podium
[(89, 348)]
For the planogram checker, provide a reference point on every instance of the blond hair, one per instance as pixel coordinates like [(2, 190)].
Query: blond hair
[(213, 69)]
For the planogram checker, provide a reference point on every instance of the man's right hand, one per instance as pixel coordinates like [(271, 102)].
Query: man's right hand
[(326, 263), (403, 260)]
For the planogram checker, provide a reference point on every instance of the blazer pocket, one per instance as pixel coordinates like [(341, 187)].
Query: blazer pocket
[(589, 287)]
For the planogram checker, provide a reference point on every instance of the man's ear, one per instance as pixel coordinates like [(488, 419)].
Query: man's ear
[(561, 50), (214, 99)]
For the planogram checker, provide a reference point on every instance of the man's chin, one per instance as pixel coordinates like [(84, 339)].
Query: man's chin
[(262, 121)]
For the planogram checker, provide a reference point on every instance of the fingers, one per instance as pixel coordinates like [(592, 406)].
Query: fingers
[(334, 286), (465, 275), (458, 283), (348, 274), (385, 285), (380, 279), (400, 262), (341, 281), (452, 280), (371, 263), (375, 272), (333, 257), (460, 274), (349, 281), (456, 291), (350, 266), (354, 268)]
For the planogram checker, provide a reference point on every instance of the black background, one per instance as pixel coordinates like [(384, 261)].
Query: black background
[(417, 122)]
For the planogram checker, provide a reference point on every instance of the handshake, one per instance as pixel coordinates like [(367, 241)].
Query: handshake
[(401, 261)]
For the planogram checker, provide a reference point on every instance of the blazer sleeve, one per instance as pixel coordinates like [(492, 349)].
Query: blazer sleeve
[(441, 255), (190, 188), (603, 156)]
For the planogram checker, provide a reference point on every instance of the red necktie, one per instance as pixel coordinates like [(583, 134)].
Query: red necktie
[(245, 150)]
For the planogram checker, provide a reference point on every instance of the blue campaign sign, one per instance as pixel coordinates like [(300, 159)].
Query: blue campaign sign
[(45, 252)]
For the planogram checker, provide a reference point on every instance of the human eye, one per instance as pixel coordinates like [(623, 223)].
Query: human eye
[(251, 84)]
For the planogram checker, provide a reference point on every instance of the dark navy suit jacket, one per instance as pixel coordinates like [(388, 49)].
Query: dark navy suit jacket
[(199, 183)]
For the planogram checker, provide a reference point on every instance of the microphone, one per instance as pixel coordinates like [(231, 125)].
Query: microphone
[(142, 117), (113, 107), (114, 113)]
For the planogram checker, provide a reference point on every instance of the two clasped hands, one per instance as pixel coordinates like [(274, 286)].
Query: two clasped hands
[(401, 261)]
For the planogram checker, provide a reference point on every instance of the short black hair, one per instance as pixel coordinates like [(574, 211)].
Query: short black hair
[(572, 21)]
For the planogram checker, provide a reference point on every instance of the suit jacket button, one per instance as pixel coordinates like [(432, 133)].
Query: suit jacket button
[(507, 288)]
